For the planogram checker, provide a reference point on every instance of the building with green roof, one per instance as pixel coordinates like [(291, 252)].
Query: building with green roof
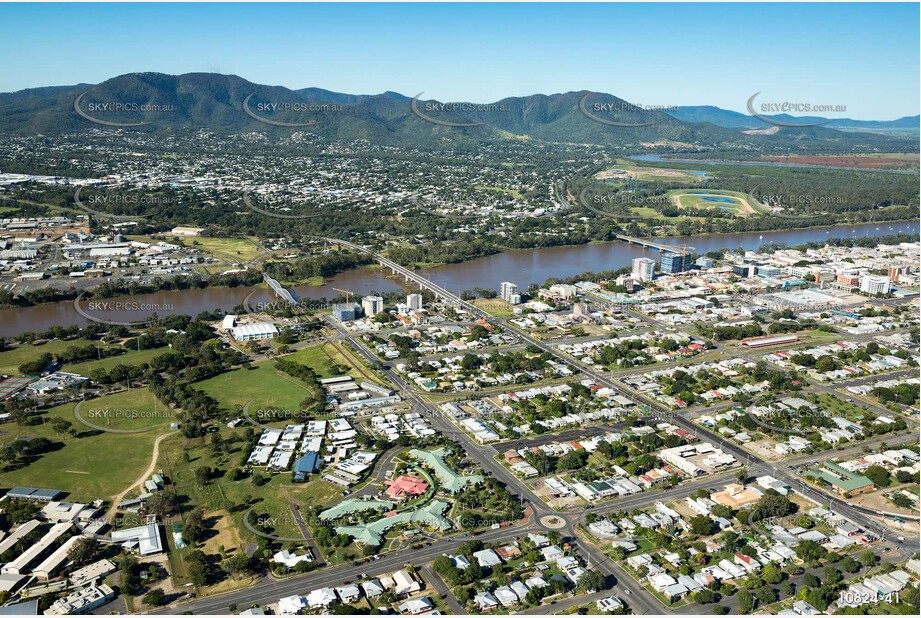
[(432, 515), (844, 481), (353, 505), (451, 481)]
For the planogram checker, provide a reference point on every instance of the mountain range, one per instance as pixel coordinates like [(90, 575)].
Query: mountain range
[(736, 120), (215, 102)]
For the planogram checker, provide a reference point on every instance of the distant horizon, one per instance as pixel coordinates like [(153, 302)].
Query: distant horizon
[(859, 56)]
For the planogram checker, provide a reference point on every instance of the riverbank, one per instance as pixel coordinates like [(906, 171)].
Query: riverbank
[(521, 266)]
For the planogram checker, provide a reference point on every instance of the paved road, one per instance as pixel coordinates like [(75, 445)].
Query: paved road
[(268, 590), (860, 515), (442, 590)]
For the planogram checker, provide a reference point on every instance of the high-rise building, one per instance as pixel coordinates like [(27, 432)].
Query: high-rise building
[(414, 301), (673, 263), (509, 293), (372, 305), (643, 269), (897, 270), (875, 284)]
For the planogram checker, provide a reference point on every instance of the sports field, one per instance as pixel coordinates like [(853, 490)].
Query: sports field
[(92, 465), (11, 359), (728, 201), (20, 353), (262, 384), (130, 410), (236, 248)]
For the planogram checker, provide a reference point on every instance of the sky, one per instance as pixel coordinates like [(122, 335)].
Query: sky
[(864, 57)]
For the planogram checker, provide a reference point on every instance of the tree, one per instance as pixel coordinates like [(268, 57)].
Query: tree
[(849, 565), (879, 475), (701, 525), (193, 528), (590, 581), (62, 426), (162, 503), (746, 601), (771, 504), (910, 597), (572, 460), (706, 595), (742, 476), (868, 558), (199, 568), (238, 563), (832, 575), (82, 551), (155, 597), (203, 474), (810, 551), (766, 595), (771, 573)]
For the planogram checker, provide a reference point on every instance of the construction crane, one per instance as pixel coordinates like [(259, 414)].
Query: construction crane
[(348, 294)]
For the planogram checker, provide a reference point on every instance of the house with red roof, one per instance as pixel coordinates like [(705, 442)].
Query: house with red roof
[(406, 486)]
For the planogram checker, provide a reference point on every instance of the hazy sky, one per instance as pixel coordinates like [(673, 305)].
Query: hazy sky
[(862, 56)]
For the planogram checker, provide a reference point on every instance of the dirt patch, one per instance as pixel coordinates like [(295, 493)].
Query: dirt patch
[(878, 500), (224, 533), (764, 448)]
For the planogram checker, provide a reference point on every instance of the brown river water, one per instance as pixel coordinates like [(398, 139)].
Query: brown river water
[(522, 267)]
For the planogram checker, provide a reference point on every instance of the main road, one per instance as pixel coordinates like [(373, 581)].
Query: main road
[(269, 590), (860, 515)]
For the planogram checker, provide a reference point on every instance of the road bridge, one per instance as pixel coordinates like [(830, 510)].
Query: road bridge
[(659, 246), (279, 290)]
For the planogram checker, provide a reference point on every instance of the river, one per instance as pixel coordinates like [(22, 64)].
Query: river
[(522, 267)]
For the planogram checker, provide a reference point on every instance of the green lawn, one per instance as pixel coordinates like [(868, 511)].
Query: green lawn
[(836, 406), (263, 385), (127, 410), (239, 248), (316, 357), (816, 337), (515, 193), (90, 466), (697, 199), (496, 307), (11, 359), (323, 357), (132, 357)]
